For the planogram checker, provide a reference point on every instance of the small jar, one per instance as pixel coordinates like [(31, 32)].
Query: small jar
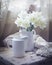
[(18, 47)]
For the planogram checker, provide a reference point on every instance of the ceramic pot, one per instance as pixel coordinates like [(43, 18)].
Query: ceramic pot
[(18, 47)]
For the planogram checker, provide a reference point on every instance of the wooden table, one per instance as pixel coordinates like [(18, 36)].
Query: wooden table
[(30, 57)]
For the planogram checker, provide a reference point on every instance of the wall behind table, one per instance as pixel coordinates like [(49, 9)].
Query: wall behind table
[(7, 28), (50, 31), (44, 33)]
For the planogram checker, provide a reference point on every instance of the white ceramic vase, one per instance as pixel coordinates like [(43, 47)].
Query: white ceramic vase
[(29, 45)]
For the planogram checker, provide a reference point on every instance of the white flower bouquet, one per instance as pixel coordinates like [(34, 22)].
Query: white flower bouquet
[(29, 21)]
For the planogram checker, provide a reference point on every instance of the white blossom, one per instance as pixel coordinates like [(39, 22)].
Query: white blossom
[(36, 18)]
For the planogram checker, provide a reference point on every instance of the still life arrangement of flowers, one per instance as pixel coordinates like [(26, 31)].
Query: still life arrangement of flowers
[(29, 21)]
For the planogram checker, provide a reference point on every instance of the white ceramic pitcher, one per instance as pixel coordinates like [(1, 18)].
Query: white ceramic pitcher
[(29, 43)]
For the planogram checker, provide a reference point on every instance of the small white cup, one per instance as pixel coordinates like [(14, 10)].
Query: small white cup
[(18, 47)]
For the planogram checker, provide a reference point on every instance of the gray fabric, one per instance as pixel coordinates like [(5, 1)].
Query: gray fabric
[(46, 52), (41, 42)]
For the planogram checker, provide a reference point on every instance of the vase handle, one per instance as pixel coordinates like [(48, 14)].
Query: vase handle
[(34, 32)]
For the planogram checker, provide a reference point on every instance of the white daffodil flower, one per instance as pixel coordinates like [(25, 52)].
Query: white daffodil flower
[(36, 18)]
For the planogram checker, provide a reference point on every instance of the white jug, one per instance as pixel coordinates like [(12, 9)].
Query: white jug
[(18, 47), (25, 38), (29, 45)]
